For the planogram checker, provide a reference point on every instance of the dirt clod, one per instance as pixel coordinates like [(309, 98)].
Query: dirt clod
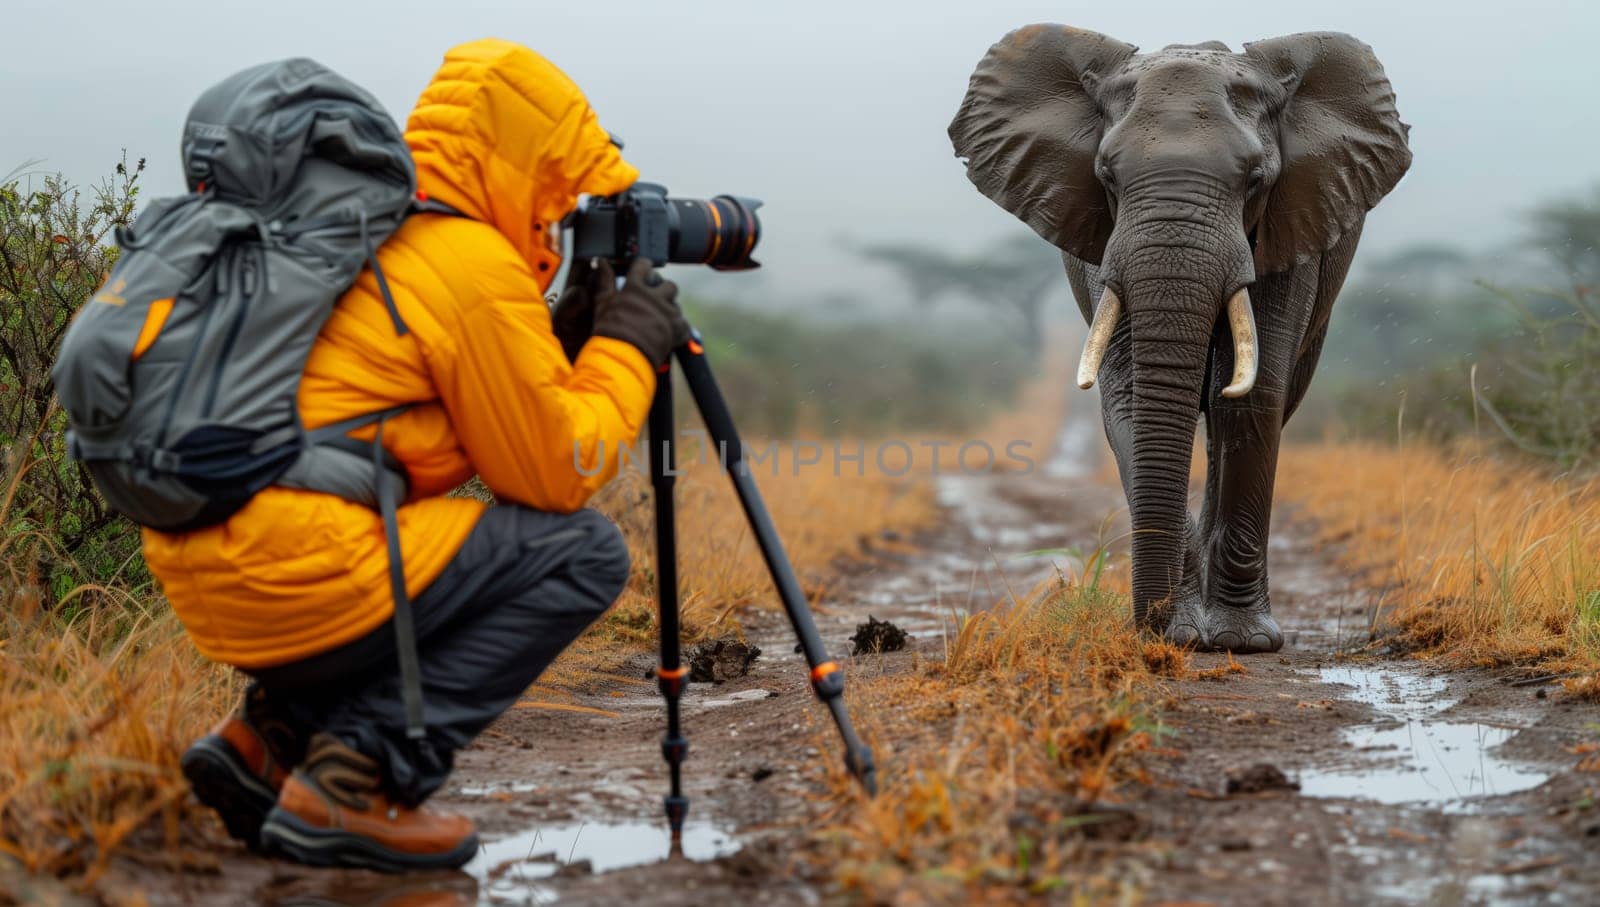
[(1259, 777), (722, 659), (876, 636)]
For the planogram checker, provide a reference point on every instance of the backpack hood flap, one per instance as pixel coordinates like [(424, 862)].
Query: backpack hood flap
[(261, 135), (507, 138)]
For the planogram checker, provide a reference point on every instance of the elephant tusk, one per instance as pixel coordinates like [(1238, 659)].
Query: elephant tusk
[(1094, 348), (1246, 353)]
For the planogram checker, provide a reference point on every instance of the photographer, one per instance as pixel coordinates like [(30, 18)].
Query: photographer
[(294, 589)]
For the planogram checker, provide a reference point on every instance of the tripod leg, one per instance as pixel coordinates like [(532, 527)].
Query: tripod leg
[(827, 679), (671, 674)]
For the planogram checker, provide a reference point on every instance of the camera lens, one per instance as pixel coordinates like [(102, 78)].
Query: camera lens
[(721, 232)]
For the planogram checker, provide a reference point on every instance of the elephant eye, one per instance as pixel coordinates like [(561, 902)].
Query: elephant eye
[(1257, 177), (1106, 177)]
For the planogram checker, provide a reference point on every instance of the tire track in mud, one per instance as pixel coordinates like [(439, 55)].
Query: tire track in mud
[(569, 803)]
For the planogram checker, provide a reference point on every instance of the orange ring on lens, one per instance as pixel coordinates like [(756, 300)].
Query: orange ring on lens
[(716, 231)]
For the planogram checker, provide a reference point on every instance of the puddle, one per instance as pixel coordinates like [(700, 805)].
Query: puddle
[(1424, 760), (510, 869), (498, 789), (751, 695)]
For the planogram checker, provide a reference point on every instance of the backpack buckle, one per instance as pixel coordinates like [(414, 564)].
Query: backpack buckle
[(155, 459), (165, 460), (198, 157)]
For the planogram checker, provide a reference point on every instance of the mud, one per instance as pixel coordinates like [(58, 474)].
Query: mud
[(876, 637), (721, 660), (1413, 786)]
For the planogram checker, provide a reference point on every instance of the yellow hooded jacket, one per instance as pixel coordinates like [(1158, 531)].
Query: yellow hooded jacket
[(506, 138)]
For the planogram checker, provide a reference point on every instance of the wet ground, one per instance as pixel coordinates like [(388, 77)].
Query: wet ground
[(1405, 785), (1353, 780)]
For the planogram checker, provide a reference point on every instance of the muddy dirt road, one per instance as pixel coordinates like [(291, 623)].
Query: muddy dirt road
[(1310, 778)]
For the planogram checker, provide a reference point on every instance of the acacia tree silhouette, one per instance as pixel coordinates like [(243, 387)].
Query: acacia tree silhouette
[(1015, 275)]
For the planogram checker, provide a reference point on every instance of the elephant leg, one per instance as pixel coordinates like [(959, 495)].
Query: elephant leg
[(1238, 611), (1242, 437)]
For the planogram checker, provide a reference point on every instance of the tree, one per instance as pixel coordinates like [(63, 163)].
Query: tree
[(1015, 274), (1568, 232)]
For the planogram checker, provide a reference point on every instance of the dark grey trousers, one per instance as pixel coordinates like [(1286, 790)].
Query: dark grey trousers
[(523, 586)]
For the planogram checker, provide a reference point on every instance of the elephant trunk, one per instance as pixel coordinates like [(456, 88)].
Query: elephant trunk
[(1170, 320), (1177, 263)]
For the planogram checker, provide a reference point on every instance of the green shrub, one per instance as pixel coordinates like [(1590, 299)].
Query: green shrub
[(54, 252), (1463, 358)]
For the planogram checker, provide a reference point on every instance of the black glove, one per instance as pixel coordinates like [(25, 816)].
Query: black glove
[(644, 313), (572, 319)]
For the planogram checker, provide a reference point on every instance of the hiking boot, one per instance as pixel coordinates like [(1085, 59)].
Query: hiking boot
[(333, 811), (233, 770)]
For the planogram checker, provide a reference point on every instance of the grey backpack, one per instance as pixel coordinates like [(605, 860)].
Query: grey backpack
[(180, 376)]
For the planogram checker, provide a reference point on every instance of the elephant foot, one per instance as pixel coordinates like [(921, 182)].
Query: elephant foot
[(1242, 631), (1182, 623)]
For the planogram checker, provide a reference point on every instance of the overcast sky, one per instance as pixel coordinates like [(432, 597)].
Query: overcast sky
[(833, 112)]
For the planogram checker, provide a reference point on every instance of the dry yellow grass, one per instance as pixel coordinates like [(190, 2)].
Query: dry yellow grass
[(97, 711), (1008, 756), (1481, 560), (100, 706)]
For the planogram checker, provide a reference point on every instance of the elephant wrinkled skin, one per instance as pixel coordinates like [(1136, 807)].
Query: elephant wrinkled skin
[(1190, 189)]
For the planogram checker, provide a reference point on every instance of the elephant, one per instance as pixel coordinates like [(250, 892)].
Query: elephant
[(1207, 205)]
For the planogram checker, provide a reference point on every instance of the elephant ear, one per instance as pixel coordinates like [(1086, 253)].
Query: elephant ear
[(1029, 130), (1343, 146)]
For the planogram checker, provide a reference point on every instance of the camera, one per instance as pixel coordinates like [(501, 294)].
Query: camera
[(643, 222)]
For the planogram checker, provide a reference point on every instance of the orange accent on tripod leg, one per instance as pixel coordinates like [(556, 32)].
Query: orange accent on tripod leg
[(823, 670)]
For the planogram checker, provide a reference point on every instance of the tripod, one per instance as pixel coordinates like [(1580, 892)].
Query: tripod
[(827, 679)]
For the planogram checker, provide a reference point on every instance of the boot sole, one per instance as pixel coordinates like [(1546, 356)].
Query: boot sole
[(224, 784), (285, 834)]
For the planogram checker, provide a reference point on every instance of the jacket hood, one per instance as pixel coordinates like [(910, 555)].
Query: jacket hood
[(506, 138)]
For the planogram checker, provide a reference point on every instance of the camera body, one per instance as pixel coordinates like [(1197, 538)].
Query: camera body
[(643, 222)]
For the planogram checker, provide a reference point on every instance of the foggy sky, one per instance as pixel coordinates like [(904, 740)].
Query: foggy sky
[(833, 112)]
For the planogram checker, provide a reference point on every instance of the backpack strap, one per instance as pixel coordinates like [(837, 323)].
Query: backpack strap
[(400, 328), (405, 633), (335, 463), (389, 488), (422, 205)]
